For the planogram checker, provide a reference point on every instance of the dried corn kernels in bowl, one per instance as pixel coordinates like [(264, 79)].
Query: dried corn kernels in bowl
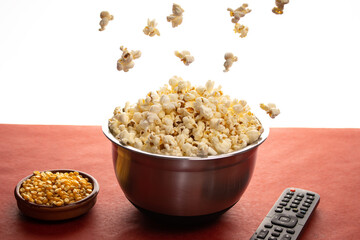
[(55, 189), (183, 120)]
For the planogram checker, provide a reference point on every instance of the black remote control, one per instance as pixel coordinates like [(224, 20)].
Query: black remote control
[(288, 216)]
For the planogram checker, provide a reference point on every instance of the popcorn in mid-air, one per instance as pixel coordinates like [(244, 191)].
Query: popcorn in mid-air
[(236, 15), (151, 29), (176, 17), (105, 18), (239, 12), (126, 61), (229, 60), (270, 109), (279, 9), (185, 57), (243, 30)]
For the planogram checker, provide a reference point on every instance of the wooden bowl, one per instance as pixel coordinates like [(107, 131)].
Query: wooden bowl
[(54, 213)]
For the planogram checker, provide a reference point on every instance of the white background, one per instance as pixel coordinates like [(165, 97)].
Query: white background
[(57, 68)]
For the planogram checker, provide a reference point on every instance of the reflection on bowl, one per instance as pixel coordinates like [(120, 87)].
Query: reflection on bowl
[(53, 213), (183, 186)]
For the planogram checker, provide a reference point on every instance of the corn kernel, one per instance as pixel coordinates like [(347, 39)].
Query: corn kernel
[(55, 189)]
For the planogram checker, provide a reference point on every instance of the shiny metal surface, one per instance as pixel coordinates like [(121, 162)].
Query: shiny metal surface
[(183, 186)]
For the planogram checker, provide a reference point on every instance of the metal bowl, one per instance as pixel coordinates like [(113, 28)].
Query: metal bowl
[(183, 186)]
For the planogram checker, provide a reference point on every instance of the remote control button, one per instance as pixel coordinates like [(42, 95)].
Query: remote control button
[(292, 190), (304, 208), (291, 231), (278, 210), (302, 212), (310, 194), (286, 237), (272, 238), (289, 195), (295, 210), (287, 208), (262, 234), (311, 197), (275, 234), (284, 220), (293, 205), (306, 205), (298, 198), (300, 195), (283, 203), (280, 206), (278, 229), (308, 201), (296, 202), (299, 215), (268, 225)]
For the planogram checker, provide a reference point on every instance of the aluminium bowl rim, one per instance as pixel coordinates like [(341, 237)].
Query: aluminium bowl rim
[(263, 137)]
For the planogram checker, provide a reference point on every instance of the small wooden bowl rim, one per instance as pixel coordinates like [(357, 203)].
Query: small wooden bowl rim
[(53, 209)]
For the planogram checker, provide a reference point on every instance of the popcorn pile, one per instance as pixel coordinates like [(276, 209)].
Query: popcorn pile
[(183, 120)]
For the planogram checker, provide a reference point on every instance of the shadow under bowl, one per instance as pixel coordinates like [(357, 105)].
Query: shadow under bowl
[(55, 213)]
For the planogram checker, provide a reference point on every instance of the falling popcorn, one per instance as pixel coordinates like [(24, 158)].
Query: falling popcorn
[(126, 61), (270, 109), (176, 17), (243, 30), (279, 6), (105, 18), (239, 12), (229, 60), (151, 29), (185, 57)]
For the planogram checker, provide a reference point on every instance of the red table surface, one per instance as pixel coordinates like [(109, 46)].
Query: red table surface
[(322, 160)]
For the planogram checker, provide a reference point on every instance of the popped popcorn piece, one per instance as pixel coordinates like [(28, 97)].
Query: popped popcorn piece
[(279, 6), (185, 57), (243, 30), (176, 17), (270, 109), (253, 135), (126, 61), (239, 12), (183, 120), (105, 18), (229, 60), (209, 85), (151, 29)]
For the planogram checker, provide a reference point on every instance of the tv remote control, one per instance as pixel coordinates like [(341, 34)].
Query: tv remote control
[(288, 216)]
